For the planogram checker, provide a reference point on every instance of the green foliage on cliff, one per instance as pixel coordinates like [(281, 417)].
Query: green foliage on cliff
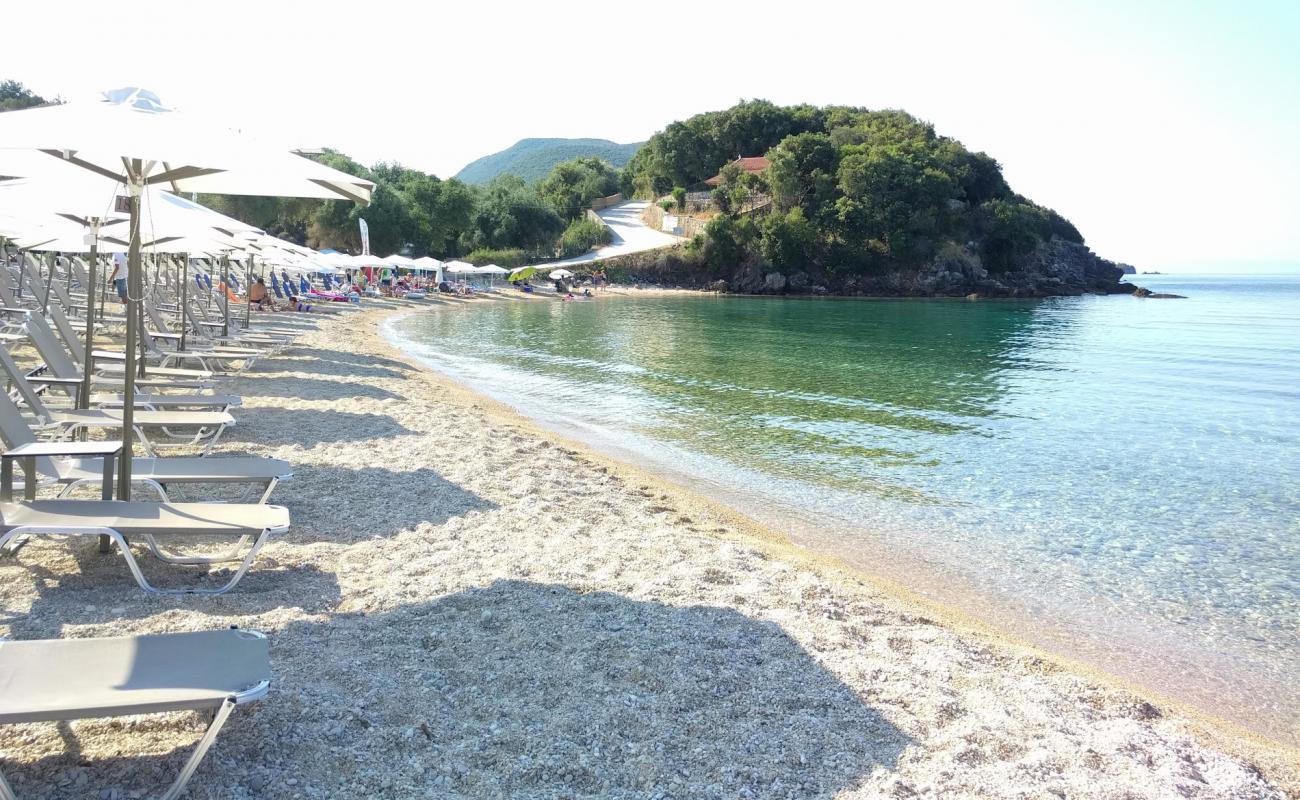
[(852, 189)]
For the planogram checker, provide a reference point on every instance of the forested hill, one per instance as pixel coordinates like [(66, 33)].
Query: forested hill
[(859, 200), (533, 159)]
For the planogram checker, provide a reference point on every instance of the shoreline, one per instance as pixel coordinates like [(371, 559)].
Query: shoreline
[(467, 605), (1220, 730)]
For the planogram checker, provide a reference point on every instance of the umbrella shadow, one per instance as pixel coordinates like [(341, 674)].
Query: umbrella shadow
[(523, 689), (77, 585), (307, 428), (519, 689), (251, 385), (325, 362), (341, 504)]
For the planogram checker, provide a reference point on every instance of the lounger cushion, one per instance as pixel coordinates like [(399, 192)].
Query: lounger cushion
[(171, 419), (65, 679), (138, 518), (235, 469)]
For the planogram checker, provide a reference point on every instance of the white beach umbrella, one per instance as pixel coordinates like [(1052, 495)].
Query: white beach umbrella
[(559, 274), (130, 136), (459, 267)]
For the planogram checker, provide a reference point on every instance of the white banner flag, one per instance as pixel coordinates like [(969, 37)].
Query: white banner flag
[(365, 237)]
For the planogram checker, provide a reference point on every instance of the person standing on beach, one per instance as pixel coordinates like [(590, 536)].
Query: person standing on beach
[(121, 271)]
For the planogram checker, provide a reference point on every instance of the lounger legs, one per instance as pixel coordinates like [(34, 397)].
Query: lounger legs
[(200, 750), (132, 564), (191, 764)]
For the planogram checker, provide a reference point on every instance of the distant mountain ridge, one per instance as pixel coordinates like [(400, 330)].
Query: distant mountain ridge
[(533, 159)]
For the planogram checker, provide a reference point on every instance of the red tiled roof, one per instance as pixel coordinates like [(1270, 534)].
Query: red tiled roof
[(751, 164)]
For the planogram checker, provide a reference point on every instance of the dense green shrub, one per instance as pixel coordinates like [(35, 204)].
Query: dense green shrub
[(582, 235), (509, 257)]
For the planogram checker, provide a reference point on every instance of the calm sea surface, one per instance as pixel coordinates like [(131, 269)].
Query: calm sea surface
[(1113, 478)]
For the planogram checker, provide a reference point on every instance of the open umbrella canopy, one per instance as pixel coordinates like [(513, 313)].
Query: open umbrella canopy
[(557, 274), (79, 197), (519, 273), (459, 267), (427, 264), (491, 269), (174, 151)]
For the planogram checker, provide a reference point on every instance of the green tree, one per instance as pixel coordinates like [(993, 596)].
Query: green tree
[(894, 194), (512, 214), (1013, 230), (573, 185), (803, 174), (788, 242), (15, 96)]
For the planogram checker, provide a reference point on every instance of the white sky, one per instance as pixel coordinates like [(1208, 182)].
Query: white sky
[(1169, 132)]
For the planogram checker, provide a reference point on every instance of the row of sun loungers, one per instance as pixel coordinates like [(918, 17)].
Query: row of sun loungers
[(175, 406)]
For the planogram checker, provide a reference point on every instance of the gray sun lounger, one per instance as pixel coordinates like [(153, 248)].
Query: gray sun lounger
[(63, 360), (204, 427), (159, 473), (70, 679), (123, 520)]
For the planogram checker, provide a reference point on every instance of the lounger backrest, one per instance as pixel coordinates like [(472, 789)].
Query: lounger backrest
[(14, 431), (80, 272), (66, 332), (155, 316), (37, 287), (19, 380), (150, 344), (55, 357), (61, 296), (7, 284)]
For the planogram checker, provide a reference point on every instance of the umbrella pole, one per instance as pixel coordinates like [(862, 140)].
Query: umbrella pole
[(84, 400), (49, 284), (185, 286), (225, 296), (22, 273), (135, 186), (248, 292), (139, 311)]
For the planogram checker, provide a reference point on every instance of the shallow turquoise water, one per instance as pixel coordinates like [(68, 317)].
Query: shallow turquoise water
[(1115, 478)]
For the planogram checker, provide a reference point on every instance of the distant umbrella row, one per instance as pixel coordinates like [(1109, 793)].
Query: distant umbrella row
[(50, 216)]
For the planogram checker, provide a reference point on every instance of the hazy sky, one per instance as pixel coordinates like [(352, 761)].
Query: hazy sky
[(1169, 132)]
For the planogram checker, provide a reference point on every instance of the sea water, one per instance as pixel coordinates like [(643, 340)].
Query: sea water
[(1114, 478)]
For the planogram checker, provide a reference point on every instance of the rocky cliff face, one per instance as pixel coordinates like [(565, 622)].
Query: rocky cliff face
[(1056, 268)]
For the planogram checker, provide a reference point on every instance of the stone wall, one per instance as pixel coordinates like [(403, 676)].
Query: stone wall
[(602, 203)]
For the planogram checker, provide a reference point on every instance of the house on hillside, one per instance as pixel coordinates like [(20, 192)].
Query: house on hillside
[(751, 164)]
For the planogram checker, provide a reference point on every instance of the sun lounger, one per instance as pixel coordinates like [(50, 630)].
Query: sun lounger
[(62, 365), (62, 680), (122, 521), (204, 427), (259, 473)]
